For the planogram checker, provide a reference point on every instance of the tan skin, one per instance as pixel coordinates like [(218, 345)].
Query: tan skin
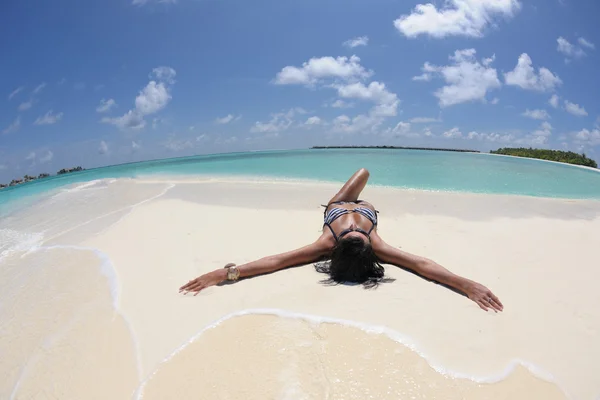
[(323, 246)]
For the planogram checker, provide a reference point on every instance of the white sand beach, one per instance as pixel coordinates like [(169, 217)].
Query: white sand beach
[(93, 309)]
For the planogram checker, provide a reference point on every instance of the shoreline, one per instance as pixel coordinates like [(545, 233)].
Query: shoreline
[(261, 179)]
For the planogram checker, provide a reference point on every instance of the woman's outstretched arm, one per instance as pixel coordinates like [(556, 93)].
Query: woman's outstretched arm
[(304, 255), (432, 270)]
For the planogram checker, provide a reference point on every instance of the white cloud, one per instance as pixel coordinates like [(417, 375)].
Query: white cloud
[(453, 133), (538, 137), (31, 157), (313, 121), (131, 120), (536, 114), (467, 79), (545, 129), (152, 98), (553, 101), (279, 122), (424, 120), (202, 138), (47, 157), (359, 124), (13, 127), (339, 103), (358, 41), (227, 119), (586, 43), (48, 118), (106, 105), (15, 92), (317, 69), (575, 109), (103, 147), (386, 105), (495, 101), (163, 74), (493, 137), (572, 50), (424, 77), (345, 75), (525, 76), (427, 74), (135, 146), (26, 105), (39, 88), (402, 129), (376, 92), (342, 119), (568, 49), (455, 18), (587, 137)]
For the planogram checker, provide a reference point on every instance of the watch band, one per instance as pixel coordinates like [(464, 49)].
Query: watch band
[(233, 273)]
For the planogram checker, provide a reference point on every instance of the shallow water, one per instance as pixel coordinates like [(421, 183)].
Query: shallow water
[(429, 170)]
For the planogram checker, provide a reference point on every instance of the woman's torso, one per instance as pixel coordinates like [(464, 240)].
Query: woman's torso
[(349, 219)]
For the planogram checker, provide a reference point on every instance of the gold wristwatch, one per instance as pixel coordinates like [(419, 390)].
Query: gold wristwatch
[(233, 273)]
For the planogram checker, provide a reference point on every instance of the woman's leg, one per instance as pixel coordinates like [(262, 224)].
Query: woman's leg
[(352, 189)]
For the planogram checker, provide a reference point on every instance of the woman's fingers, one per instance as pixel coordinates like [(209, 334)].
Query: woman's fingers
[(495, 304), (187, 285), (196, 287), (496, 299), (198, 290), (482, 305)]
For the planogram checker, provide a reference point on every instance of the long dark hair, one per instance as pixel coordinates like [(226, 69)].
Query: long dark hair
[(352, 260)]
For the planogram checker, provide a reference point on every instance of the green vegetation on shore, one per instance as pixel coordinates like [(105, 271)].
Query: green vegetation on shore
[(29, 178), (568, 157), (395, 147)]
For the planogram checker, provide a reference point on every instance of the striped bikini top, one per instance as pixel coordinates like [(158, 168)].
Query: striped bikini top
[(336, 212)]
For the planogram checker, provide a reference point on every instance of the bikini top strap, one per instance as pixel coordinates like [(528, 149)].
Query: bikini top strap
[(332, 232)]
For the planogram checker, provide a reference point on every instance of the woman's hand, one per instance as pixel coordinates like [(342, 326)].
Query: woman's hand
[(204, 281), (484, 297)]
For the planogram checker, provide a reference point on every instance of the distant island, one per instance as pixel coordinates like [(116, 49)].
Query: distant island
[(396, 147), (568, 157), (29, 178)]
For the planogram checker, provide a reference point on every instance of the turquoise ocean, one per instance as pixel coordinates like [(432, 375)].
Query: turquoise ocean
[(410, 169)]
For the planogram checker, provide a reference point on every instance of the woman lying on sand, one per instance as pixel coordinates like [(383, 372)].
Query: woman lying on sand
[(354, 249)]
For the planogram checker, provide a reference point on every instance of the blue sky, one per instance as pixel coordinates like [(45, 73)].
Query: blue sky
[(102, 82)]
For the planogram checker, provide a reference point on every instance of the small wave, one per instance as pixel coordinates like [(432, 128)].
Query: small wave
[(93, 184), (12, 241), (107, 269), (372, 329)]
